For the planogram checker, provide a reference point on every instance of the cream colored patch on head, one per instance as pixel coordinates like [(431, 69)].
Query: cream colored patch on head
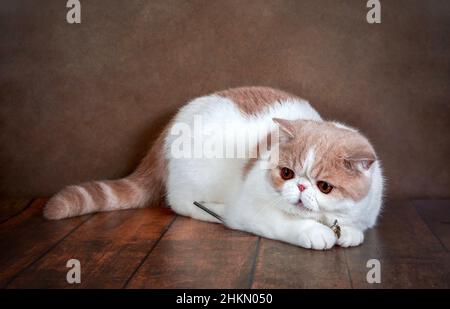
[(328, 153)]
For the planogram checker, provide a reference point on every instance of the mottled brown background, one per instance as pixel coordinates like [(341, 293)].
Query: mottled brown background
[(84, 101)]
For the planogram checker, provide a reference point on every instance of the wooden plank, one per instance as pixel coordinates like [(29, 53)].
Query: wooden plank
[(195, 254), (409, 254), (280, 265), (404, 273), (436, 214), (10, 207), (27, 236), (110, 246), (402, 233)]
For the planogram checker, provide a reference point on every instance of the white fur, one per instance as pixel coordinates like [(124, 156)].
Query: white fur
[(251, 203), (88, 201), (110, 196), (343, 126)]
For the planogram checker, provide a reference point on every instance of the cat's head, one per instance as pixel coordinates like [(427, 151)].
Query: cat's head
[(322, 166)]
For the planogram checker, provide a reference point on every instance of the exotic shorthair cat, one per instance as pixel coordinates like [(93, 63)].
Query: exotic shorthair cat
[(293, 188)]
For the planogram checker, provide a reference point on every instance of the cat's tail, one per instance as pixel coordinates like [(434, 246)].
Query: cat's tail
[(145, 186)]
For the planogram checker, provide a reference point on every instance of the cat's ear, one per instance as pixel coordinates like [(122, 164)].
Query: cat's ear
[(358, 154), (360, 162), (287, 129)]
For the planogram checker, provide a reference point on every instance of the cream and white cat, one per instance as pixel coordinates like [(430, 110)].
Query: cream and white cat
[(292, 188)]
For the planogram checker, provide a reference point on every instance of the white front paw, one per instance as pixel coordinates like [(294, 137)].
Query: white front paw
[(350, 237), (318, 237)]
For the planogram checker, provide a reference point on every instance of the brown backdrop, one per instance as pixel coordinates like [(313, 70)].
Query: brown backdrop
[(84, 101)]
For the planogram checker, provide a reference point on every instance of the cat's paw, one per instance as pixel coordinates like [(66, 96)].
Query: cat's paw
[(318, 237), (350, 237)]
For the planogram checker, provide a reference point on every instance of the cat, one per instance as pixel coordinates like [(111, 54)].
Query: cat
[(293, 188)]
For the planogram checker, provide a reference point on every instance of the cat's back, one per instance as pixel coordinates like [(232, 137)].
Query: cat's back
[(237, 112), (216, 125), (254, 100), (245, 103)]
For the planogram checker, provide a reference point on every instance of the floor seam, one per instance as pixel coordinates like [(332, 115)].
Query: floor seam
[(255, 262), (167, 227), (349, 275), (21, 211), (430, 229), (45, 253)]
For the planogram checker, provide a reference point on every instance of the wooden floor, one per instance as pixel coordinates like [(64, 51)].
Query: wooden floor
[(154, 248)]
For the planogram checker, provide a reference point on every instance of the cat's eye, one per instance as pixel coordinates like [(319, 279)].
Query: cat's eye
[(287, 173), (324, 187)]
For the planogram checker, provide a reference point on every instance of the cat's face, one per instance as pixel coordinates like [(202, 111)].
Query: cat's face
[(322, 166)]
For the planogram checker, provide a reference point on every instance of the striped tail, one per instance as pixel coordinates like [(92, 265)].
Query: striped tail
[(142, 188)]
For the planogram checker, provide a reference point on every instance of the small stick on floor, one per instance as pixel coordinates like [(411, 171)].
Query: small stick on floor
[(212, 213)]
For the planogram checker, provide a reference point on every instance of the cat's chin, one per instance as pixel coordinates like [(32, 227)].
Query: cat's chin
[(299, 209)]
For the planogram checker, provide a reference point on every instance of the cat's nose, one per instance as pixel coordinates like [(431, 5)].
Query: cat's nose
[(301, 187)]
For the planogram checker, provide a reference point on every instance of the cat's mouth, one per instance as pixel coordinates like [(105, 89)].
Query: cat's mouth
[(300, 205)]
